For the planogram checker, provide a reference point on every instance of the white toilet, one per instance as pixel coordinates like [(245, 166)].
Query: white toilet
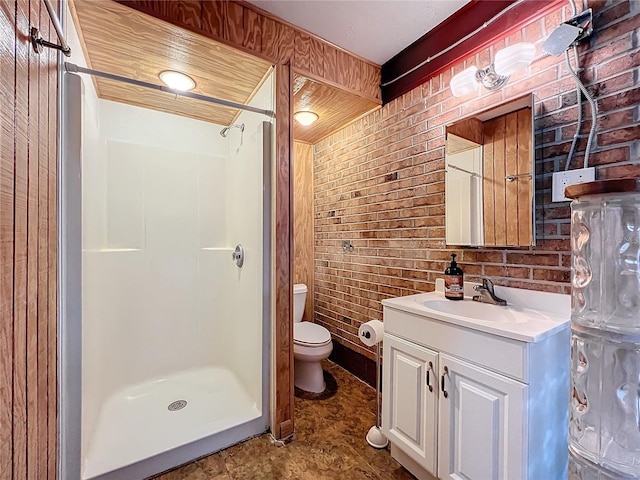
[(311, 345)]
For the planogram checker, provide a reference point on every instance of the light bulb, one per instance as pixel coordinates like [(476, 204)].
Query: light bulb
[(516, 57), (177, 80), (464, 82), (305, 118)]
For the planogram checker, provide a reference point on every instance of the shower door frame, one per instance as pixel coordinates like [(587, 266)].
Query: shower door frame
[(70, 307)]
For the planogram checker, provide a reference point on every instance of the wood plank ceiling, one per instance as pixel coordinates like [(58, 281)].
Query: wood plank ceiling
[(120, 40), (123, 41), (335, 108)]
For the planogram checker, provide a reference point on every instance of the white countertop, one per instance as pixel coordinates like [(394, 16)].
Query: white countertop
[(529, 316)]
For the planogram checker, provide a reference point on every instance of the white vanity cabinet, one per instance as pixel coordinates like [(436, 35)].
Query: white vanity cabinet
[(460, 403), (480, 419), (410, 411)]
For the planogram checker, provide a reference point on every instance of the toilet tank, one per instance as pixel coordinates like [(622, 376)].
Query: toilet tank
[(299, 299)]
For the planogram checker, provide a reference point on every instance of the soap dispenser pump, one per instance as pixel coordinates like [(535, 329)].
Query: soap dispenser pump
[(453, 281)]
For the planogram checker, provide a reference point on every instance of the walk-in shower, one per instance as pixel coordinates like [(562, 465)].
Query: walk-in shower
[(164, 351)]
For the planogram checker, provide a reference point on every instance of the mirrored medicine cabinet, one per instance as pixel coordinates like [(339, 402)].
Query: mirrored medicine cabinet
[(489, 177)]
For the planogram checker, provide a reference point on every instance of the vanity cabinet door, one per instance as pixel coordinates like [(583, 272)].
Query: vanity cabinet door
[(410, 408), (482, 423)]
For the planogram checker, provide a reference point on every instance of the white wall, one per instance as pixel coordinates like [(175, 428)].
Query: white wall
[(163, 203), (244, 225)]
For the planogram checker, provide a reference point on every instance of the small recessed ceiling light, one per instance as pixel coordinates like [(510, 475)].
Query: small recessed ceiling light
[(305, 117), (177, 80)]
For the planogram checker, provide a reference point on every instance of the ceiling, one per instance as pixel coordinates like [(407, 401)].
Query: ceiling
[(374, 29), (334, 107), (122, 41)]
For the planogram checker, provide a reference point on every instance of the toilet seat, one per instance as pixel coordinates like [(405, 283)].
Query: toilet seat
[(310, 334)]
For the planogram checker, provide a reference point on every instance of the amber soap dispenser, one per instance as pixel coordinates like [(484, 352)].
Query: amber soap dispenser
[(453, 281)]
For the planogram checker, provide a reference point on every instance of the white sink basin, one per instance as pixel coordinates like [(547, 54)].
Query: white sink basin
[(529, 316), (477, 310)]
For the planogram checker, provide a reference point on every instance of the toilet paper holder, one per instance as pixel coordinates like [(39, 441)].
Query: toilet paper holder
[(375, 437)]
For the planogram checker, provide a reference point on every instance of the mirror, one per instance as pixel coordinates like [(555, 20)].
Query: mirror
[(489, 182)]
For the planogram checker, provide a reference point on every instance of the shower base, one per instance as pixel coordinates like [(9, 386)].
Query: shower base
[(137, 423)]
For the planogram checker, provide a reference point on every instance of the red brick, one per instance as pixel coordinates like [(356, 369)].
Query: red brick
[(556, 118), (551, 22), (543, 287), (548, 93), (619, 171), (621, 135), (505, 271), (482, 257), (545, 137), (534, 259), (557, 212), (483, 58), (533, 32), (612, 155), (613, 84), (382, 178), (618, 65), (552, 275), (549, 229), (555, 245), (553, 150), (608, 51), (629, 24)]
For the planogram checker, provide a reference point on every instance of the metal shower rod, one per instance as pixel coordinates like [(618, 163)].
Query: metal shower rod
[(73, 68), (38, 42)]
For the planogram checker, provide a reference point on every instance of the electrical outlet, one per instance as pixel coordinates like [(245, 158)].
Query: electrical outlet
[(562, 180)]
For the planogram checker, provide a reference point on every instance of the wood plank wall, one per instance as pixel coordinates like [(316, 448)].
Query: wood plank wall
[(282, 410), (28, 246), (469, 129), (303, 221), (507, 151), (248, 28)]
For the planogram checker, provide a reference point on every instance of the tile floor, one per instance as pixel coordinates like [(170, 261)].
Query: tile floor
[(329, 445)]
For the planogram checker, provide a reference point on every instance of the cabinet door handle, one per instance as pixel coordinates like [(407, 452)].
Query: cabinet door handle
[(430, 368), (444, 390)]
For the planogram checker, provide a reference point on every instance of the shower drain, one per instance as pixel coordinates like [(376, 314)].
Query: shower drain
[(177, 405)]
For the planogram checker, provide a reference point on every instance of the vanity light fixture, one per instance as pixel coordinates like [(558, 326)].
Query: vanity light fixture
[(507, 61), (177, 80), (305, 117)]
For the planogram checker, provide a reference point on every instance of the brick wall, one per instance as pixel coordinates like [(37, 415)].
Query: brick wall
[(380, 181)]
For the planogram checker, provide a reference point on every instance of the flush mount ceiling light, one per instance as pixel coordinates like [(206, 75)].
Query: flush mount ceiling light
[(305, 117), (177, 80), (507, 61)]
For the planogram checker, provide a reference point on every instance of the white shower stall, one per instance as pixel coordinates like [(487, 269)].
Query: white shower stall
[(173, 343)]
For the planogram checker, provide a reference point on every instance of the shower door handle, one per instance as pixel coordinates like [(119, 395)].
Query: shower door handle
[(238, 255)]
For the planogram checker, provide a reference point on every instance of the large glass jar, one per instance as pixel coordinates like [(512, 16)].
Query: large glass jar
[(604, 430)]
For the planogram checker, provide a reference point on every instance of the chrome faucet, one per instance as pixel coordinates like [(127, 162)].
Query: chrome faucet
[(486, 293)]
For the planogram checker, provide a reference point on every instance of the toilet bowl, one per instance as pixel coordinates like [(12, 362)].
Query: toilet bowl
[(311, 345)]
